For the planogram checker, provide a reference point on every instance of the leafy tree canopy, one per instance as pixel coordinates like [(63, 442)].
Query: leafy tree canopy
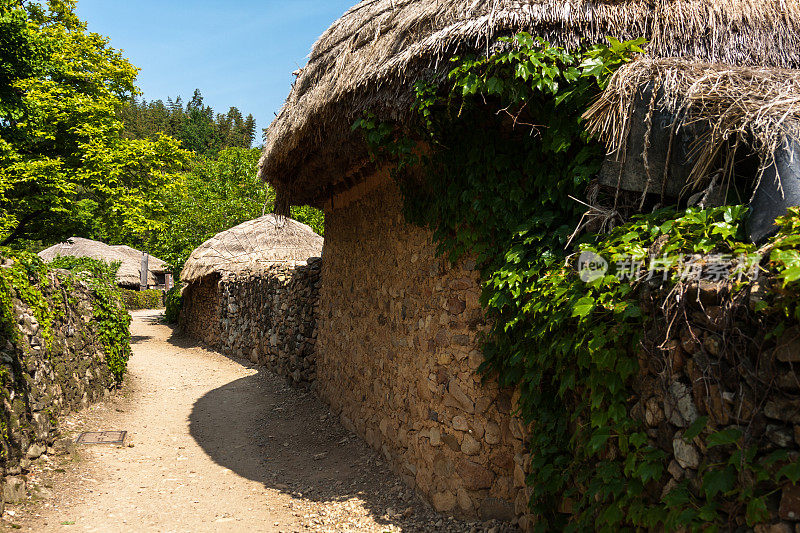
[(80, 155), (217, 194), (65, 168)]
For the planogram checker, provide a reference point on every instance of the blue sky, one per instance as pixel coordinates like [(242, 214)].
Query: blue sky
[(238, 53)]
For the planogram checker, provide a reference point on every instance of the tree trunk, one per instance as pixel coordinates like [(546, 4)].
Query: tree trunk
[(21, 226)]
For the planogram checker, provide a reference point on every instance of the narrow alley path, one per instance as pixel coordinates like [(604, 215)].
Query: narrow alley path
[(218, 445)]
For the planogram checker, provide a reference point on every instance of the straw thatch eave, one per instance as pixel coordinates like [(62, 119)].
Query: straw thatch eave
[(265, 240), (371, 57), (733, 106), (154, 264)]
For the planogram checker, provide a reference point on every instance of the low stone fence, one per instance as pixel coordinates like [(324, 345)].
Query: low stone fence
[(267, 316), (47, 370)]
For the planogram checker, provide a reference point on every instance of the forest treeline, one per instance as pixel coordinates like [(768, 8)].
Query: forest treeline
[(82, 153), (197, 126)]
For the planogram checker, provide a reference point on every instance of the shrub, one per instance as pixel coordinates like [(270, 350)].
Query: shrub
[(149, 299), (96, 268), (173, 301)]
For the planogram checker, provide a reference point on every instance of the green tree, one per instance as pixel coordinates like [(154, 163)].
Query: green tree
[(217, 194), (20, 57), (197, 132), (197, 126), (64, 166), (249, 131)]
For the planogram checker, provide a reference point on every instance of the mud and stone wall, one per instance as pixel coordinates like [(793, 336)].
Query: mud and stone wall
[(398, 355), (397, 359), (47, 371), (719, 362), (266, 315)]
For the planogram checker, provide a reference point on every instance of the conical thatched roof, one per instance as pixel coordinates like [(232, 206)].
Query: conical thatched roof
[(264, 240), (129, 258), (370, 58)]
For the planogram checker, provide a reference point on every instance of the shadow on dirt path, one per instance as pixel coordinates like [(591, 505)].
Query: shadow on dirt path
[(217, 445)]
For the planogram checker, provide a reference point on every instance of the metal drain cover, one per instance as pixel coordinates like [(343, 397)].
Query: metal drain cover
[(101, 437)]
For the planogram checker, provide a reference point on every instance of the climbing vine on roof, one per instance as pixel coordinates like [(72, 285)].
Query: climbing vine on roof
[(508, 156)]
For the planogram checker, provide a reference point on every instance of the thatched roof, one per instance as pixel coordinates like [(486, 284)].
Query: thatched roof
[(130, 259), (154, 264), (733, 105), (370, 58), (264, 240)]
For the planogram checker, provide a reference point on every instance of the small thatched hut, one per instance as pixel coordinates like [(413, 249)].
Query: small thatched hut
[(264, 240), (398, 328), (252, 250), (130, 259)]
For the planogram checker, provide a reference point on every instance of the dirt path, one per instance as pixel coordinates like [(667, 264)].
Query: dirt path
[(218, 445)]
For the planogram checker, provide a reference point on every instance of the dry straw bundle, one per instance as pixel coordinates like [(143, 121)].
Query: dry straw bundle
[(733, 106), (369, 59)]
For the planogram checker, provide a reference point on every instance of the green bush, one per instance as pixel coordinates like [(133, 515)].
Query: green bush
[(149, 299), (96, 268), (173, 301)]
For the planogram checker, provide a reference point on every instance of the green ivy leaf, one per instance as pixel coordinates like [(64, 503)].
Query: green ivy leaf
[(494, 85), (757, 511), (718, 481), (583, 307), (650, 471), (598, 439), (790, 472), (678, 497), (724, 437), (695, 429)]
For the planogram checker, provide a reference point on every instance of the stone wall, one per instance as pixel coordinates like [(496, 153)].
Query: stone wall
[(44, 378), (398, 355), (201, 310), (397, 359), (719, 361), (266, 315)]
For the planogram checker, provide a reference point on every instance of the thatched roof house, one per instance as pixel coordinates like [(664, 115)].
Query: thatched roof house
[(248, 270), (130, 260), (371, 57), (723, 108), (264, 240), (398, 328)]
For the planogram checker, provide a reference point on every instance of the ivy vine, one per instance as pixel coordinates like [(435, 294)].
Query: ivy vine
[(25, 276), (109, 311), (507, 154)]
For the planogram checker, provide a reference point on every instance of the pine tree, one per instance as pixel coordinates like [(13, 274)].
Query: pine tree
[(235, 137), (197, 101), (196, 125), (250, 131)]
